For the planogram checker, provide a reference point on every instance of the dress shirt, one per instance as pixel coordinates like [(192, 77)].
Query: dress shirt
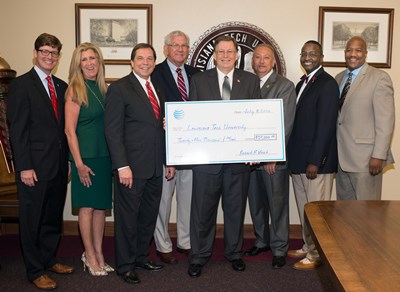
[(173, 68), (354, 72), (143, 83), (42, 77), (309, 77), (265, 78), (221, 77)]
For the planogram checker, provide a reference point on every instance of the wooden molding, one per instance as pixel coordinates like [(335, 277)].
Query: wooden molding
[(71, 228)]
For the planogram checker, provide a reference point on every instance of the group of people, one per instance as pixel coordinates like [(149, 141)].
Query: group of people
[(343, 125)]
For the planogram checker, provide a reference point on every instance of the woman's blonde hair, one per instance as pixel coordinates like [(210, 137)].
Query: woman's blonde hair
[(76, 80)]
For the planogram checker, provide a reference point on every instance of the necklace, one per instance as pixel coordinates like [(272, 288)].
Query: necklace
[(95, 95)]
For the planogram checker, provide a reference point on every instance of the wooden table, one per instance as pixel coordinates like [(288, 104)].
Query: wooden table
[(359, 242)]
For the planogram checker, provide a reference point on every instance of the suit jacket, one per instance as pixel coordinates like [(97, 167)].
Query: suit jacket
[(366, 120), (313, 137), (276, 87), (204, 86), (37, 137), (162, 75), (134, 136)]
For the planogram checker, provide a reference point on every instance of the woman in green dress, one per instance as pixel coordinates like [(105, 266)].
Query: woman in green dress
[(90, 159)]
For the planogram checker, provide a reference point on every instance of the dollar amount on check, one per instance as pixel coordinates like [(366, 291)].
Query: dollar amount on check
[(210, 132)]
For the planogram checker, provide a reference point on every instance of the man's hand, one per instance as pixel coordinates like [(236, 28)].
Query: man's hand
[(252, 163), (126, 177), (270, 167), (28, 177), (311, 171), (375, 166), (169, 172)]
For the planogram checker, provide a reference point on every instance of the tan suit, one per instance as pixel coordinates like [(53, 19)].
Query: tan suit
[(366, 121)]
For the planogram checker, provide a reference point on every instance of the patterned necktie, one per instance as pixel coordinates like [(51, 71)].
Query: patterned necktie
[(304, 78), (53, 95), (153, 100), (181, 84), (226, 89), (345, 90)]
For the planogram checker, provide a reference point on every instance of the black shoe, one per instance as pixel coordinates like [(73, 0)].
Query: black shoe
[(150, 266), (255, 251), (278, 262), (130, 277), (194, 270), (238, 265), (184, 251)]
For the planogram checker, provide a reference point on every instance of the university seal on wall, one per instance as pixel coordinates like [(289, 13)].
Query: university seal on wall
[(247, 36)]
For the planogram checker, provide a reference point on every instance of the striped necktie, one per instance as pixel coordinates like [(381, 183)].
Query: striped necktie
[(181, 84), (153, 100), (53, 96), (345, 90)]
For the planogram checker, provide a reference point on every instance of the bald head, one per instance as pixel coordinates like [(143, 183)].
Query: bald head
[(355, 53)]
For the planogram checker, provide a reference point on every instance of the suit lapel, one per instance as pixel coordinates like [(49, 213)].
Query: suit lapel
[(214, 85), (188, 72), (309, 84), (60, 98), (268, 84), (236, 85), (354, 85), (357, 81), (43, 94), (169, 79), (142, 95)]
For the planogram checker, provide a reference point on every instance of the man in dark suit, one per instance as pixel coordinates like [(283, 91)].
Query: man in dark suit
[(134, 131), (269, 183), (312, 149), (229, 180), (176, 88), (36, 118)]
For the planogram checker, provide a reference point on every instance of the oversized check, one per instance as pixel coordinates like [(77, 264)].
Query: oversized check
[(209, 132)]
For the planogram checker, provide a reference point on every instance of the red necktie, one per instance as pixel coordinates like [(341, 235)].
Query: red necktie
[(53, 95), (181, 84), (153, 100), (304, 78)]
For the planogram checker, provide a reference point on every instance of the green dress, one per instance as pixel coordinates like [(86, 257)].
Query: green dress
[(94, 153)]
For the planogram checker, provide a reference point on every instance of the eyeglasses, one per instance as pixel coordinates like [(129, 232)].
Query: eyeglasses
[(54, 54), (177, 46), (222, 52), (311, 55)]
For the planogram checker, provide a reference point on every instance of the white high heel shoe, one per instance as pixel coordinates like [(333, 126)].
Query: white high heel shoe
[(92, 272), (107, 268)]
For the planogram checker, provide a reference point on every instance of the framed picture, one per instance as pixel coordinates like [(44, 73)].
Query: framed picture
[(338, 24), (115, 28), (110, 80)]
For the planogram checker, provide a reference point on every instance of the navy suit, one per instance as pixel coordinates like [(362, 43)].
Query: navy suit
[(163, 77), (313, 137), (313, 142), (136, 139), (39, 143)]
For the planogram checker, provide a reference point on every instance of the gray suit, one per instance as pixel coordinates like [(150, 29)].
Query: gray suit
[(212, 181), (365, 129), (269, 194)]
